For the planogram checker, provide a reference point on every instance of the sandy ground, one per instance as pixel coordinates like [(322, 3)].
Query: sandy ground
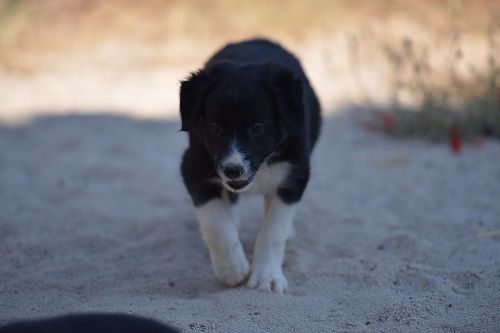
[(94, 217)]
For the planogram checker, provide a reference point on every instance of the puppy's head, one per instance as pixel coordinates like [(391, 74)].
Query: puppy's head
[(241, 113)]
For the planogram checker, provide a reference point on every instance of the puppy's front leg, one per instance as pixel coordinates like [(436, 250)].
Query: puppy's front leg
[(269, 252), (219, 229)]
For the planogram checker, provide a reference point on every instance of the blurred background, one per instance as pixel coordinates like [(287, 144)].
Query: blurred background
[(394, 57)]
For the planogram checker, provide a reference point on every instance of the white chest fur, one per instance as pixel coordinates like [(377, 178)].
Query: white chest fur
[(269, 177)]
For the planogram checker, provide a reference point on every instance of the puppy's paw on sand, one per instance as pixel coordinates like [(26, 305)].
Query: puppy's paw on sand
[(232, 268), (268, 279)]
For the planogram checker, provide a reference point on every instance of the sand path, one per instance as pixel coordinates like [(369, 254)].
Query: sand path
[(94, 217)]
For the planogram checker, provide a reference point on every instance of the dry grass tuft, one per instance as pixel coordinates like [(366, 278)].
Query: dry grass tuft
[(455, 98)]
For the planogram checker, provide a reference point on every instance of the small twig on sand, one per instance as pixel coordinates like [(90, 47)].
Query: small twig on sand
[(494, 233)]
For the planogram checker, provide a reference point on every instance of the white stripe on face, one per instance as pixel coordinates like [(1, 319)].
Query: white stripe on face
[(234, 157)]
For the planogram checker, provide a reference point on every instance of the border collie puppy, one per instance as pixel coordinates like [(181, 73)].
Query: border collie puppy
[(253, 120)]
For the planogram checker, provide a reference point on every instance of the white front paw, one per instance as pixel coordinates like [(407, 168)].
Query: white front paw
[(231, 268), (267, 279)]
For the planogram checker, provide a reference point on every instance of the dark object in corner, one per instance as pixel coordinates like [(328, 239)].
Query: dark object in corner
[(89, 323)]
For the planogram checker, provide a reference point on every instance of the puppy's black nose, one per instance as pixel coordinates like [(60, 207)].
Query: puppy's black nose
[(232, 171)]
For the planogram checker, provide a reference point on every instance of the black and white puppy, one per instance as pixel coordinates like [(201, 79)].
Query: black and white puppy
[(253, 120)]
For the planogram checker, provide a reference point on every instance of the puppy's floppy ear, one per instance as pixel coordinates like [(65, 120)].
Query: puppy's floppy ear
[(286, 89), (191, 99)]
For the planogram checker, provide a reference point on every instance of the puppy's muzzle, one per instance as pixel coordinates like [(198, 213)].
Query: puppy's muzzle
[(234, 176)]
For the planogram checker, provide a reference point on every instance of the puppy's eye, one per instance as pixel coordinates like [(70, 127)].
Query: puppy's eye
[(215, 128), (257, 128)]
